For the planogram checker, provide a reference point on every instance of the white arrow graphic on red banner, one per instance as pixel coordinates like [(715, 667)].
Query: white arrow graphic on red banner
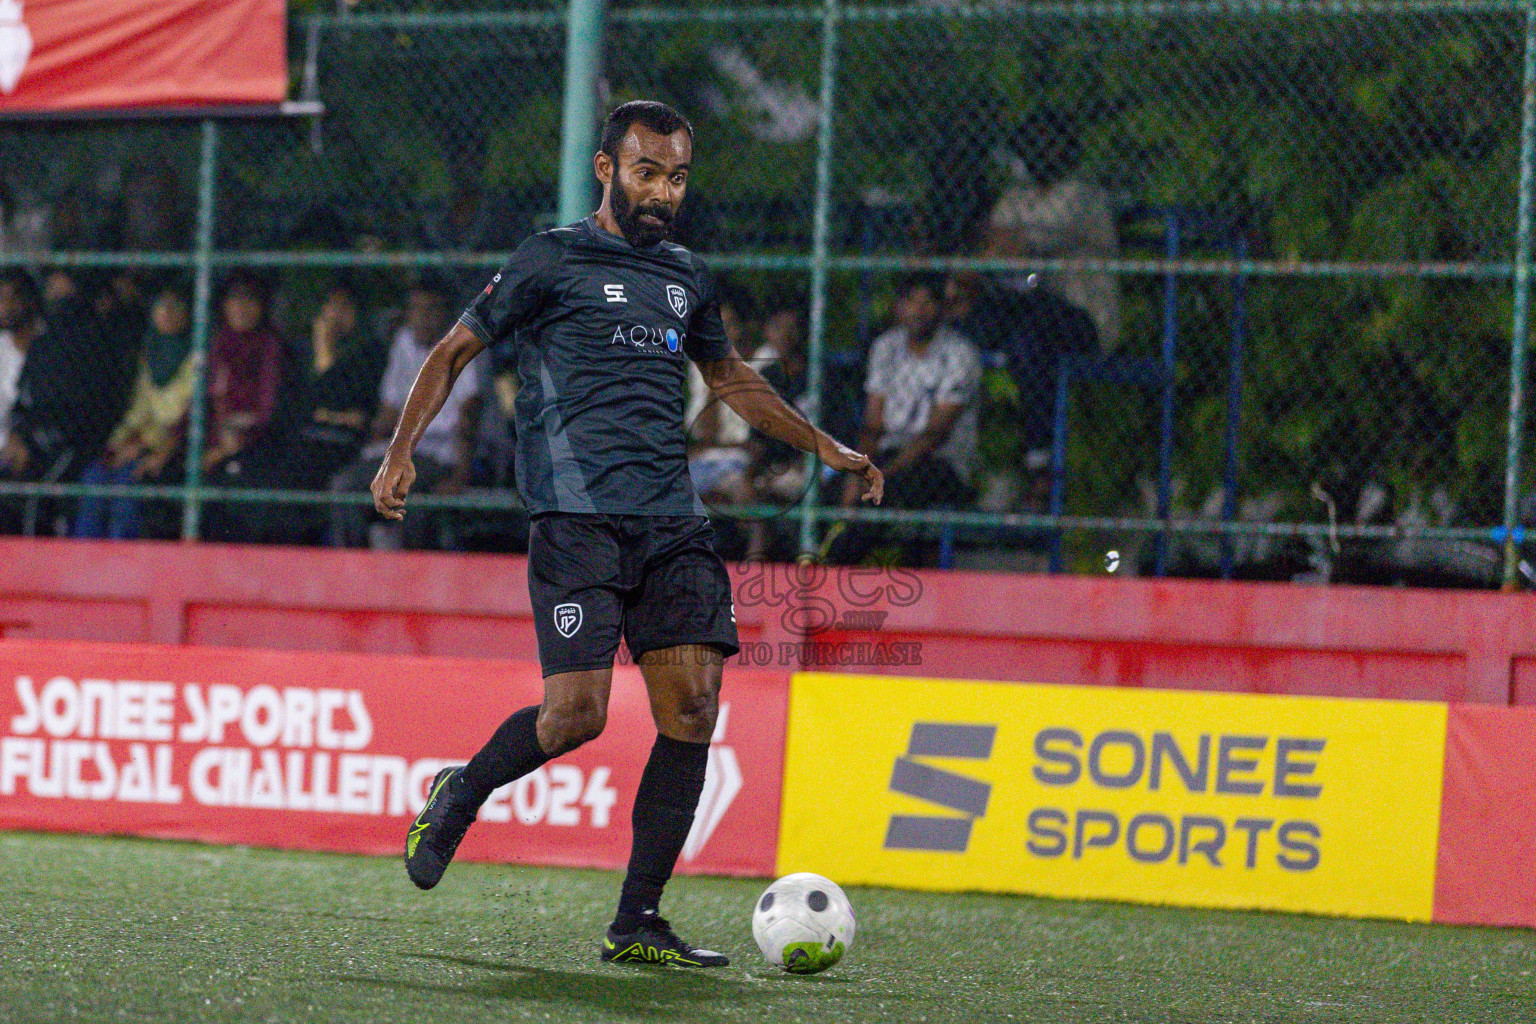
[(722, 781)]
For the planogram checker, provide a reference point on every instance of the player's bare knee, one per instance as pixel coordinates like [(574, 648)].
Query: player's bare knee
[(693, 718), (562, 729)]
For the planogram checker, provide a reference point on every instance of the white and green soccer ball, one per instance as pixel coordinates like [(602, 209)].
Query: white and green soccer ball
[(803, 923)]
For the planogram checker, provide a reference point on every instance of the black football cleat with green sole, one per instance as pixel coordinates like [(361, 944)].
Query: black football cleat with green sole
[(654, 942), (437, 830)]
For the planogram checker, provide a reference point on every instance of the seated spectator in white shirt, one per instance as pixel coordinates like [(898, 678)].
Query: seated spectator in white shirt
[(919, 413), (442, 456)]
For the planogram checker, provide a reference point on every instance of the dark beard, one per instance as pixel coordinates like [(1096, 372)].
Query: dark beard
[(636, 231)]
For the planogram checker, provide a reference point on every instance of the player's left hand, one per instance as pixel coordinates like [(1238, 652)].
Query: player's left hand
[(839, 456), (391, 484)]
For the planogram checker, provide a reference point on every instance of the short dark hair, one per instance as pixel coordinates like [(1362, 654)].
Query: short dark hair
[(658, 117), (26, 288), (252, 284), (432, 283), (911, 282), (174, 285), (344, 285)]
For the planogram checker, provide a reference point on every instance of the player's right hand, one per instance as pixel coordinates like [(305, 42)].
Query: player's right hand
[(391, 484), (840, 457)]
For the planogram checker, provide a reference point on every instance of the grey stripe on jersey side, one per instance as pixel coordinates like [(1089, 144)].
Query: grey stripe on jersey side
[(570, 485)]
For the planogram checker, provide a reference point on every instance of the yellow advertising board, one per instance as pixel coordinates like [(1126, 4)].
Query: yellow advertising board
[(1309, 804)]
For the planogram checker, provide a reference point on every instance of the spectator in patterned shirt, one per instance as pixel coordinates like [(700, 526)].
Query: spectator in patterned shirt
[(919, 412)]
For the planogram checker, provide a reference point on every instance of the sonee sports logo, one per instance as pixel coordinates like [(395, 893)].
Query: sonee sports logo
[(614, 292), (935, 785), (568, 618)]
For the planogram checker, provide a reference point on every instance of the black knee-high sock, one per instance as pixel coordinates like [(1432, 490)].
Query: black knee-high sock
[(664, 805), (510, 754)]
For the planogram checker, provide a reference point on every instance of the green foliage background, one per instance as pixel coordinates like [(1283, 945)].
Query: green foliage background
[(1382, 138)]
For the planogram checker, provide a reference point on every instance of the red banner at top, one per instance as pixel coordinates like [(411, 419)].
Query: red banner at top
[(117, 55)]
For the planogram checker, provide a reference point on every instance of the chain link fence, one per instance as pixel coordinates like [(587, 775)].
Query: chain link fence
[(1211, 289)]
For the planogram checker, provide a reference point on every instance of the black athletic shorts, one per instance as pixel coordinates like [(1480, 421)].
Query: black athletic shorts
[(655, 579)]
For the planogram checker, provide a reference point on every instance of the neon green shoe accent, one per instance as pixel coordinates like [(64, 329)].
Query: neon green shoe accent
[(643, 953), (418, 826), (435, 790), (811, 957), (413, 839)]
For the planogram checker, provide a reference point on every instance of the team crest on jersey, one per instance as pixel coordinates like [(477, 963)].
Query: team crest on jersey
[(568, 619), (678, 298)]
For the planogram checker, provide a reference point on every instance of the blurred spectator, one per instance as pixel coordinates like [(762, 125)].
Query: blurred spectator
[(1028, 331), (496, 442), (717, 436), (59, 288), (776, 473), (980, 308), (12, 354), (79, 223), (25, 224), (150, 434), (444, 452), (471, 220), (1048, 211), (322, 420), (920, 413), (66, 392), (156, 211), (118, 301), (245, 370)]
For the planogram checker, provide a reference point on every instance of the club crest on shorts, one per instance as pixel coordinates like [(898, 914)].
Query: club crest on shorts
[(568, 618), (678, 298)]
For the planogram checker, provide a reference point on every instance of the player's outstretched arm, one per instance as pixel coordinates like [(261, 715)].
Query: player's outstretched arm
[(742, 388), (433, 385)]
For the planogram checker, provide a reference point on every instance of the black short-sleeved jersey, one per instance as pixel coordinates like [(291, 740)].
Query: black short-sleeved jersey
[(600, 329)]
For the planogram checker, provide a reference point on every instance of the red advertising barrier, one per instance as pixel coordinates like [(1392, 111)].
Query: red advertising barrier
[(1486, 870), (72, 55), (1325, 641), (334, 752), (1461, 646)]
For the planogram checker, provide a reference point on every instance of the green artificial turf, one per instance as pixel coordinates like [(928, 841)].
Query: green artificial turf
[(127, 930)]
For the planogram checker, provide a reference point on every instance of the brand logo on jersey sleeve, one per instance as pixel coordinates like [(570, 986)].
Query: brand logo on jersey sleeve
[(614, 292), (679, 300)]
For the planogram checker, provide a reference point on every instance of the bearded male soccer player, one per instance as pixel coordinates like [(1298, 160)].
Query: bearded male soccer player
[(603, 313)]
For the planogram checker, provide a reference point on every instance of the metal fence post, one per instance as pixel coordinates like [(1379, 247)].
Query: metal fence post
[(817, 327), (1522, 303), (202, 301), (583, 65)]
